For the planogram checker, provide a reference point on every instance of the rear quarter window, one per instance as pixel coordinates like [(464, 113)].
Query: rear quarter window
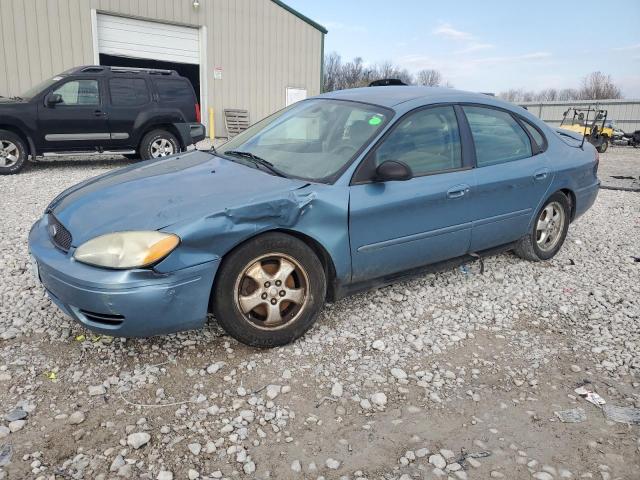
[(174, 90), (535, 134)]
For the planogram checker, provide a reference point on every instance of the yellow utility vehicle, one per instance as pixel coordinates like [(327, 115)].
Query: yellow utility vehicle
[(591, 124)]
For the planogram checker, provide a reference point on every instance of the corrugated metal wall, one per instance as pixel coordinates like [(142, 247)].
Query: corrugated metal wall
[(261, 47), (625, 113)]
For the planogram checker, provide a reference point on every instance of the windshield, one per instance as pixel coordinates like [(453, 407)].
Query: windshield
[(33, 91), (312, 140)]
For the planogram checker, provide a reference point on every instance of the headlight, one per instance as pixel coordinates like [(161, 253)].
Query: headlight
[(127, 249)]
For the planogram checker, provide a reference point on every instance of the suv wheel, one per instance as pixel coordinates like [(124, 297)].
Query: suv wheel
[(268, 292), (13, 153), (158, 144)]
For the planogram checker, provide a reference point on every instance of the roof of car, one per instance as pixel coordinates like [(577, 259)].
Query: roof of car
[(390, 96)]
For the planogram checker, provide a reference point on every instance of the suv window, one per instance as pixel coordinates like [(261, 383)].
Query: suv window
[(174, 90), (79, 92), (428, 141), (497, 136), (128, 91), (535, 134)]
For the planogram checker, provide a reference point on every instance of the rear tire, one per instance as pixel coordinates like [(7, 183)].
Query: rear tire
[(603, 147), (158, 144), (548, 232), (13, 153), (269, 291)]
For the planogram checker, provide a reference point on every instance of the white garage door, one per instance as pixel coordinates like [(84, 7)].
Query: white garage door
[(130, 37)]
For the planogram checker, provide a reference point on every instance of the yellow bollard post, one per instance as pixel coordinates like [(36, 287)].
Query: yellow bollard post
[(212, 126)]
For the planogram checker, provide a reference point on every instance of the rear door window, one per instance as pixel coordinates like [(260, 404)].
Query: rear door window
[(128, 91), (497, 136), (173, 90)]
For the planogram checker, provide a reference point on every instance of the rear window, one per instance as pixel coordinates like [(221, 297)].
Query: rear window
[(172, 90), (128, 91)]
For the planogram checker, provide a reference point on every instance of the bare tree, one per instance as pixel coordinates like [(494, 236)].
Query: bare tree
[(568, 94), (332, 72), (429, 78), (598, 86)]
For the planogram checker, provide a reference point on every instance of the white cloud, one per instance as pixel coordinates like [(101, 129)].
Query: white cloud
[(628, 47), (447, 31), (475, 47), (511, 58)]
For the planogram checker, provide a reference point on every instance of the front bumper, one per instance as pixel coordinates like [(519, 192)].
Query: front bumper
[(125, 303)]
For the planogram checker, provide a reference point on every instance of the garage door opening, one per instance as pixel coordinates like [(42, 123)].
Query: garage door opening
[(192, 72)]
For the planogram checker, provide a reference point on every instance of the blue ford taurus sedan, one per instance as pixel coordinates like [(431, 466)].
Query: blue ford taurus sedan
[(333, 194)]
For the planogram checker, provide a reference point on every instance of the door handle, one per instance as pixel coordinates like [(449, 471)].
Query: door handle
[(99, 113), (458, 191), (541, 174)]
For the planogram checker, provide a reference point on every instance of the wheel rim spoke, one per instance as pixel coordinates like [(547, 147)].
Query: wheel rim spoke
[(550, 226), (257, 273), (249, 302), (295, 295), (274, 316), (285, 270)]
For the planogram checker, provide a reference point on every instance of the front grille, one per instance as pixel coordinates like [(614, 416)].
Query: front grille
[(108, 319), (60, 236)]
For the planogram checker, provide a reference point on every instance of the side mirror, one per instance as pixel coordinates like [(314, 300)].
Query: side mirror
[(390, 170), (53, 99)]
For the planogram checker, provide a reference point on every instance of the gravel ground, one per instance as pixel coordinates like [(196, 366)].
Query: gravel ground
[(453, 375), (620, 168)]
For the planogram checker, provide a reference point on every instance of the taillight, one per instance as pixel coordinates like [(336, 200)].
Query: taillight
[(198, 116), (596, 164)]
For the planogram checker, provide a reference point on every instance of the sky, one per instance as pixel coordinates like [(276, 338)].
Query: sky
[(489, 46)]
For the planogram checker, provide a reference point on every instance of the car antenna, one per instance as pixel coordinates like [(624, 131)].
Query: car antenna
[(586, 122)]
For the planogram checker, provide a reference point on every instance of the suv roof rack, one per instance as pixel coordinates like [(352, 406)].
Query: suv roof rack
[(150, 71)]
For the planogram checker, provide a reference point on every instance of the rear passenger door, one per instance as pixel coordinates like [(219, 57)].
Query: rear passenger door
[(512, 175), (129, 99)]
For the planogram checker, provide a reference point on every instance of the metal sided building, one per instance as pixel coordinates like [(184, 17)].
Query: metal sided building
[(257, 55)]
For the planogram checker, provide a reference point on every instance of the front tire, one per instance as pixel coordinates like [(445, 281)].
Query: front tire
[(13, 153), (158, 144), (548, 232), (269, 291)]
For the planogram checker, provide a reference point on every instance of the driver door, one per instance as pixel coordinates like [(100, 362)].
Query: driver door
[(399, 225), (79, 122)]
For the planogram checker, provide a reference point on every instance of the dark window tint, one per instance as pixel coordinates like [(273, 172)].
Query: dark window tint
[(537, 136), (79, 92), (174, 90), (128, 91), (428, 141), (497, 136)]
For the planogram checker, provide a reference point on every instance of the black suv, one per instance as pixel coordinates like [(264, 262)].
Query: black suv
[(139, 113)]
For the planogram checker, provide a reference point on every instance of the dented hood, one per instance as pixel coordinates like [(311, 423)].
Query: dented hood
[(158, 194)]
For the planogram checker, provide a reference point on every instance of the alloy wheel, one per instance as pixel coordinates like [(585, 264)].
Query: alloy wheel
[(9, 153), (271, 292), (550, 226), (161, 147)]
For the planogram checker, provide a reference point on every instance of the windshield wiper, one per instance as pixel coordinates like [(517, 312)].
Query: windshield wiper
[(17, 98), (257, 161)]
